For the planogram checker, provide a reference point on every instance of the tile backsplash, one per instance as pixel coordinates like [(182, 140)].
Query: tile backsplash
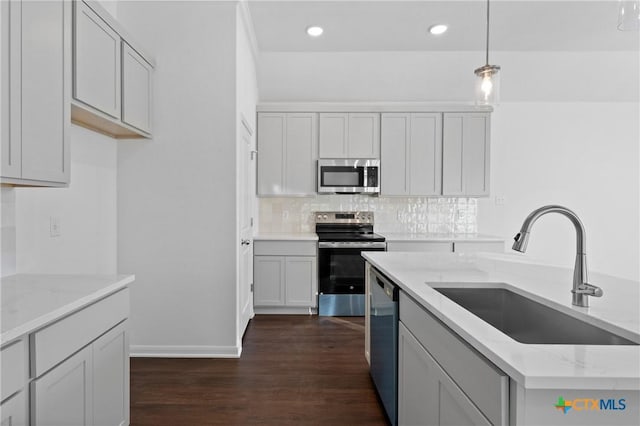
[(396, 214)]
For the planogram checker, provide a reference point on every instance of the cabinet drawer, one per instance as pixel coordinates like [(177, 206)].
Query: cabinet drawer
[(61, 339), (441, 247), (486, 385), (14, 371), (284, 248)]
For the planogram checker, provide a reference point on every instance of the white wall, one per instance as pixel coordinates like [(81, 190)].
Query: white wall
[(447, 76), (566, 132), (580, 155), (86, 211), (176, 193)]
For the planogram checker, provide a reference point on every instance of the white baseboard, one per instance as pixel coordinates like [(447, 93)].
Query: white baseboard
[(285, 310), (153, 351)]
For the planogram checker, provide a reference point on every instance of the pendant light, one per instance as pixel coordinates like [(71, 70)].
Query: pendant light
[(629, 15), (488, 78)]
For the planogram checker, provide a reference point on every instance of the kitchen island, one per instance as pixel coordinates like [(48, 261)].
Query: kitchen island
[(600, 384), (64, 349)]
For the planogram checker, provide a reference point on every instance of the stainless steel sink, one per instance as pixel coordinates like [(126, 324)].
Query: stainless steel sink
[(528, 321)]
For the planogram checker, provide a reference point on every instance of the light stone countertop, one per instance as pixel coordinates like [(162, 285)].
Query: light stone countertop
[(534, 366), (300, 236), (440, 237), (31, 301)]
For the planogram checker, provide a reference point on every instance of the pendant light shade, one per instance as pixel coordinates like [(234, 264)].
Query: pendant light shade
[(488, 78), (629, 15)]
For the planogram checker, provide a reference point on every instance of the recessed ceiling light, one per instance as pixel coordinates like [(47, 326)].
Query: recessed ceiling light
[(315, 31), (437, 29)]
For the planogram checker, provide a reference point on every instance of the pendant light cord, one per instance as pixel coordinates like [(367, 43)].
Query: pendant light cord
[(487, 32)]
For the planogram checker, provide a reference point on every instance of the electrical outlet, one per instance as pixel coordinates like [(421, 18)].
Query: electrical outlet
[(285, 214), (54, 226), (500, 201)]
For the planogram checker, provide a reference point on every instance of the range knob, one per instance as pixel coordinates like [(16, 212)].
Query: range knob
[(319, 216), (325, 217)]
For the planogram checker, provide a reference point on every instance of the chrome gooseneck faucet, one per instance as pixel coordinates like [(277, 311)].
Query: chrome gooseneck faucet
[(581, 288)]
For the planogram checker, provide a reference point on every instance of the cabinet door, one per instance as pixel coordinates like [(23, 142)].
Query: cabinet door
[(136, 89), (301, 154), (63, 396), (301, 281), (334, 134), (13, 411), (364, 135), (426, 394), (111, 377), (268, 281), (37, 139), (394, 144), (465, 164), (11, 82), (271, 144), (96, 62), (424, 156)]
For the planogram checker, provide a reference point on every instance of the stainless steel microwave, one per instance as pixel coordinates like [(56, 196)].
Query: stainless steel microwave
[(348, 176)]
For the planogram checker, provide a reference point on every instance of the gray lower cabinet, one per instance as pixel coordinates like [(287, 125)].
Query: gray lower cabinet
[(426, 394), (442, 380), (63, 395), (285, 274), (287, 154), (111, 377), (13, 411), (89, 388), (36, 78), (74, 371)]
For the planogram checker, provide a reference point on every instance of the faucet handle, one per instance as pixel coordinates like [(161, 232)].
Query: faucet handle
[(589, 290)]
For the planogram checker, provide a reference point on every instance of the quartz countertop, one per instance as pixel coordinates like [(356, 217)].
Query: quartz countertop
[(31, 301), (444, 237), (534, 366), (292, 236)]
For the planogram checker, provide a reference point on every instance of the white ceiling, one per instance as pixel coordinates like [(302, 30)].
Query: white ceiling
[(516, 25)]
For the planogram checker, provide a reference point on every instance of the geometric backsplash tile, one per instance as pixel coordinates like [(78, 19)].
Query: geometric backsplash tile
[(392, 214)]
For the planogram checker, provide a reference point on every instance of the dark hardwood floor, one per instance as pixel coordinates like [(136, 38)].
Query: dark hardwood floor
[(294, 370)]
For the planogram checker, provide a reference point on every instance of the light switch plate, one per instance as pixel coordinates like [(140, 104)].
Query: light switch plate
[(54, 226)]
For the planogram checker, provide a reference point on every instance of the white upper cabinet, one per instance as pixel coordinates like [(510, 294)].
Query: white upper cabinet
[(465, 163), (36, 49), (97, 59), (287, 154), (411, 153), (112, 85), (350, 135), (136, 89)]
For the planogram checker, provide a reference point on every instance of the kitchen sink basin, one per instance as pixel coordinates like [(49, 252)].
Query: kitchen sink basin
[(528, 321)]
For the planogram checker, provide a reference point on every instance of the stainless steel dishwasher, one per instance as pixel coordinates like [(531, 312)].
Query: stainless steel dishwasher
[(384, 341)]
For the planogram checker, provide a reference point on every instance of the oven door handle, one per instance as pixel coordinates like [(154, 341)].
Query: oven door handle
[(352, 245)]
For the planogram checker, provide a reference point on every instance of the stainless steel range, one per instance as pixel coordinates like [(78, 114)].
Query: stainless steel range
[(342, 237)]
